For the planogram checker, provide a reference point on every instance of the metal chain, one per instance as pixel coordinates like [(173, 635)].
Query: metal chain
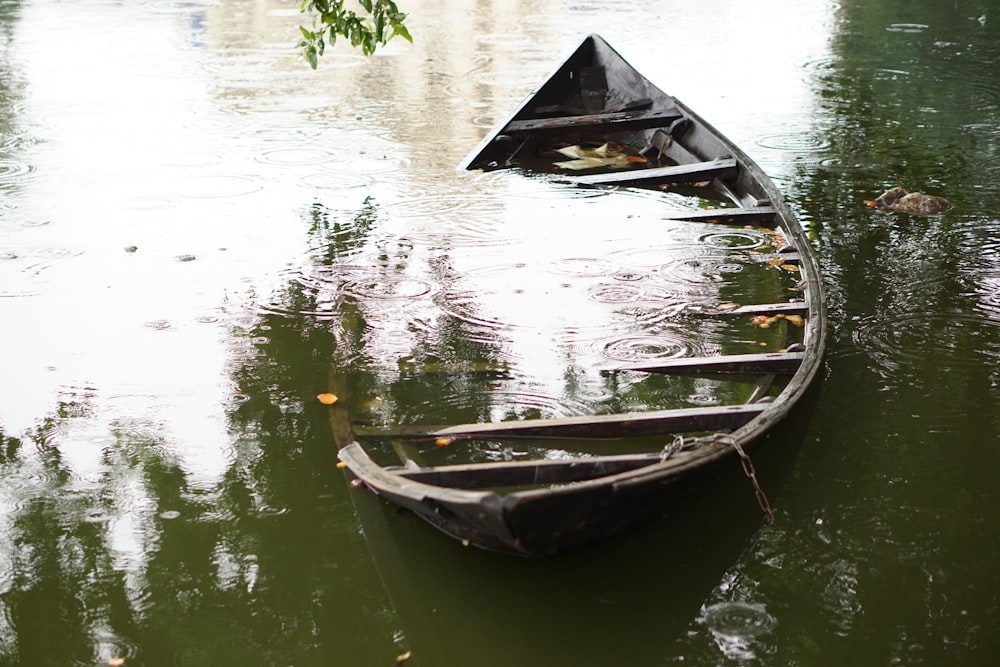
[(680, 443), (751, 473), (672, 448)]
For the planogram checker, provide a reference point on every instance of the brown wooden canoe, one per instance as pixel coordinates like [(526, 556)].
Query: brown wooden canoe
[(539, 506)]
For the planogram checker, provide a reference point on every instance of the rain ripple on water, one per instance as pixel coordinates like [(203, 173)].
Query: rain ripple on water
[(736, 626), (954, 341)]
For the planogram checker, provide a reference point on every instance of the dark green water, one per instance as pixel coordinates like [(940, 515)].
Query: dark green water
[(198, 235)]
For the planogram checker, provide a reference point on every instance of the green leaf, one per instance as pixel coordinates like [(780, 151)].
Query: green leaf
[(367, 31), (400, 29)]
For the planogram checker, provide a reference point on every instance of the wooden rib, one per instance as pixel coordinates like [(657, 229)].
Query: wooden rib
[(616, 121), (526, 473), (656, 422), (683, 173), (782, 363), (759, 392)]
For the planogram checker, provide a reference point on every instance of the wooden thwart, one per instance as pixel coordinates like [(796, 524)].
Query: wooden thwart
[(683, 173), (565, 110), (631, 120), (656, 422), (758, 215), (781, 363), (526, 473), (787, 308)]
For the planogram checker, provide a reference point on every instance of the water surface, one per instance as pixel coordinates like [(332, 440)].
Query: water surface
[(198, 234)]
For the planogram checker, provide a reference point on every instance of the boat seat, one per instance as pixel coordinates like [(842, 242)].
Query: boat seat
[(614, 121), (724, 169), (779, 363), (632, 424), (759, 215), (526, 473), (555, 110), (788, 308)]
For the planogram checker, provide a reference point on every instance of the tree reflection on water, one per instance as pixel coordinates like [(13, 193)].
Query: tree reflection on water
[(136, 557)]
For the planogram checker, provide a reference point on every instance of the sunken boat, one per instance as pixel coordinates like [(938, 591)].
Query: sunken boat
[(598, 124)]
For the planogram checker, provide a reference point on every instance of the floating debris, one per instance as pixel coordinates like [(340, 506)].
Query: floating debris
[(765, 321), (595, 158), (899, 200)]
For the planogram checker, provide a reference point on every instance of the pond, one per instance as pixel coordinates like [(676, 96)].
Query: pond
[(199, 234)]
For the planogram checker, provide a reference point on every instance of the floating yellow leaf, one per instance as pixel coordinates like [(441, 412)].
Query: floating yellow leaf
[(765, 321), (341, 465), (401, 658), (327, 398), (116, 662), (444, 441), (790, 267), (777, 261), (795, 319)]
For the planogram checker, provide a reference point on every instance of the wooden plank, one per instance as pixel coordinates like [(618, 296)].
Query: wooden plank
[(563, 110), (631, 120), (632, 424), (758, 215), (781, 363), (725, 168), (527, 473), (788, 308)]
